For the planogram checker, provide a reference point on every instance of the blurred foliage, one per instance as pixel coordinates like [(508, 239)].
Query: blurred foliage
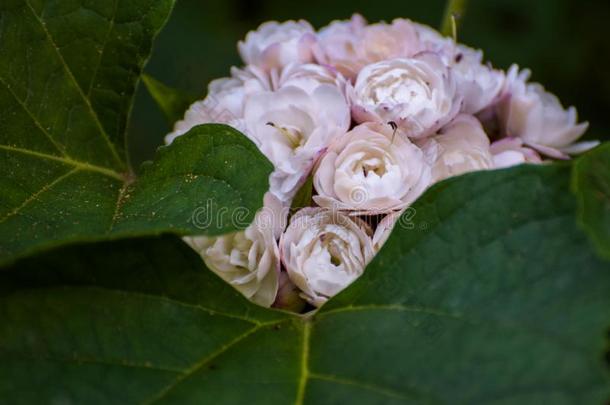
[(564, 42)]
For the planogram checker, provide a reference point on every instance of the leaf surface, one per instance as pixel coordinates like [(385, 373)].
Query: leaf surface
[(493, 296), (68, 70), (591, 182)]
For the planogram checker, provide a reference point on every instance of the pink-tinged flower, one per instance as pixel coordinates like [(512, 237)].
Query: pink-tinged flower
[(338, 44), (417, 94), (224, 102), (248, 260), (274, 45), (509, 152), (479, 84), (460, 147), (528, 112), (384, 229), (433, 41), (292, 127), (348, 46), (307, 77), (324, 252), (371, 170)]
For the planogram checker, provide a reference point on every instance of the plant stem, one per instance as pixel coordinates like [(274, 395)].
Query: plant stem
[(453, 10)]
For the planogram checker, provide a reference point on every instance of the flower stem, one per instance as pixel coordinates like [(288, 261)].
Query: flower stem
[(454, 10)]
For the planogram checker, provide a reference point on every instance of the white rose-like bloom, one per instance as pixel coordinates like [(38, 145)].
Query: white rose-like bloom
[(480, 85), (371, 170), (292, 127), (248, 260), (274, 45), (307, 77), (388, 41), (337, 45), (224, 102), (432, 40), (418, 94), (324, 251), (461, 147), (538, 118), (384, 229), (350, 45), (511, 151)]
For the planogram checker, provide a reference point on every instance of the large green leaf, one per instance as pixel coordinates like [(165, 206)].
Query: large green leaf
[(494, 296), (68, 70), (591, 182), (209, 181)]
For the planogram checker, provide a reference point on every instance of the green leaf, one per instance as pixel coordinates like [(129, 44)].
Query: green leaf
[(210, 181), (493, 296), (591, 182), (172, 102), (68, 70)]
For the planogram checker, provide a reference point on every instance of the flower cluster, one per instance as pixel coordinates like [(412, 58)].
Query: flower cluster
[(374, 114)]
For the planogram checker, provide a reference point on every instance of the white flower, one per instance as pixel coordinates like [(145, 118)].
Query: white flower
[(460, 147), (225, 101), (337, 45), (433, 41), (418, 94), (307, 77), (350, 45), (480, 85), (384, 229), (292, 127), (371, 170), (511, 151), (274, 45), (324, 252), (538, 118), (389, 41), (249, 259)]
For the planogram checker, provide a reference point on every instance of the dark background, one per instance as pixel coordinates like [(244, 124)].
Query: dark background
[(564, 42)]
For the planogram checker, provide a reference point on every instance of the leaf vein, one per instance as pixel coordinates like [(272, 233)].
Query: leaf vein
[(70, 75), (84, 360), (34, 196), (60, 148), (105, 43), (201, 363), (172, 301), (461, 317), (66, 160), (366, 386)]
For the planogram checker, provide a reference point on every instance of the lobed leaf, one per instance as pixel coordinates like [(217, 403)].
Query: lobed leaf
[(493, 295), (68, 70), (210, 181)]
